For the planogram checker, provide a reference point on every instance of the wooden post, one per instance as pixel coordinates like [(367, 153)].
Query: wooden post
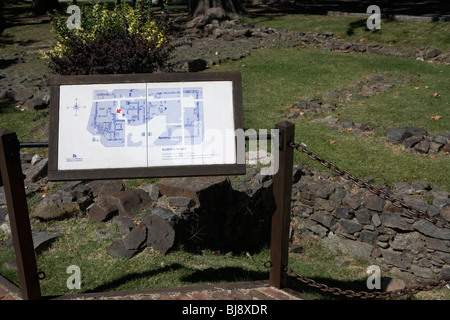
[(282, 188), (12, 176)]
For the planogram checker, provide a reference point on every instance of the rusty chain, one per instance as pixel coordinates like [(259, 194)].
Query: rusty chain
[(397, 202), (368, 295)]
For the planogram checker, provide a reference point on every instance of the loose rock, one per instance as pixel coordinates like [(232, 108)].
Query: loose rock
[(161, 235)]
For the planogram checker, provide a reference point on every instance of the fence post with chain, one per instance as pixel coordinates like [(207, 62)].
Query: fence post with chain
[(282, 188), (396, 201), (12, 178)]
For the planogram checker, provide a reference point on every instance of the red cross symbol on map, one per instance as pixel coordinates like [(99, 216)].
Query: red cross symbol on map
[(118, 110)]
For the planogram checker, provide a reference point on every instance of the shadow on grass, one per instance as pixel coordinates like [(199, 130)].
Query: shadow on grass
[(6, 105), (5, 63), (415, 7), (236, 274), (114, 284), (8, 40), (225, 274), (361, 23)]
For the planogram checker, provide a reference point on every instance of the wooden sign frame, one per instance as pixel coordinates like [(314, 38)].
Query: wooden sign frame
[(29, 276), (71, 83)]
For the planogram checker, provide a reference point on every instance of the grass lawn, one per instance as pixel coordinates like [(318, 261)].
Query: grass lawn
[(101, 272), (402, 34), (272, 79)]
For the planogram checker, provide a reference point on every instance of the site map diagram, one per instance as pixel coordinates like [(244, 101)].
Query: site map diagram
[(113, 112), (127, 125)]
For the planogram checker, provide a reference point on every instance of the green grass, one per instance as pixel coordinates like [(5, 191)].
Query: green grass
[(272, 79), (411, 104), (403, 34), (21, 122), (149, 269), (322, 265), (23, 41), (102, 272)]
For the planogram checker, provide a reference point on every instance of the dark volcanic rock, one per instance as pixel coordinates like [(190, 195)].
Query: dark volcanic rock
[(128, 202)]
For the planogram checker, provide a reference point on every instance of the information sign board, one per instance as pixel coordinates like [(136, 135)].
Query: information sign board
[(145, 125)]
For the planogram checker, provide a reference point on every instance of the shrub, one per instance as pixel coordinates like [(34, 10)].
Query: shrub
[(122, 40)]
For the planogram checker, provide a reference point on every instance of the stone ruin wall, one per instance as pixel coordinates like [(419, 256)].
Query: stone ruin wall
[(358, 223), (324, 206)]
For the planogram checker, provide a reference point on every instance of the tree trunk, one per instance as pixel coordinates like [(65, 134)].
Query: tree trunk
[(43, 6), (232, 8), (2, 18)]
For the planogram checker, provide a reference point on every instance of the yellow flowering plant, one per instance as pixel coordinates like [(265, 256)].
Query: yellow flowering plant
[(123, 39)]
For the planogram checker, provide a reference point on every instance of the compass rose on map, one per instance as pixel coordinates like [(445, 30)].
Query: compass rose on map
[(76, 107)]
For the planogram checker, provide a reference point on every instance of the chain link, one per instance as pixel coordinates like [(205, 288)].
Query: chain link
[(397, 202), (368, 295)]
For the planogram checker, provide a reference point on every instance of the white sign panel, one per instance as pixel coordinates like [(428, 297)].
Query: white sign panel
[(145, 124)]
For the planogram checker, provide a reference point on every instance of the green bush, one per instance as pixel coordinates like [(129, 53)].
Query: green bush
[(121, 40)]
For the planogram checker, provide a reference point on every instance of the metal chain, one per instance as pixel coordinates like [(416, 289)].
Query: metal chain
[(397, 202), (368, 295), (414, 212)]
